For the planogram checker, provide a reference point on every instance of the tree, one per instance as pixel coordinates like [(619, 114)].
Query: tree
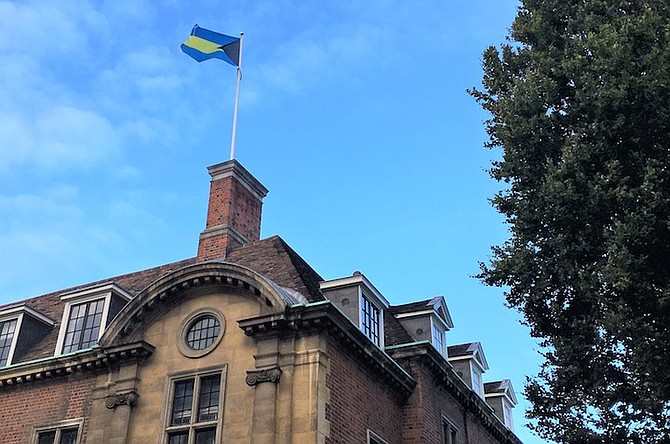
[(579, 98)]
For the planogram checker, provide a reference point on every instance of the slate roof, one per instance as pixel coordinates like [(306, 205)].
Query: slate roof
[(271, 257), (394, 333), (495, 387), (501, 388), (412, 307), (461, 349)]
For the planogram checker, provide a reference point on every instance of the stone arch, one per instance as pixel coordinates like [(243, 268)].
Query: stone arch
[(167, 289)]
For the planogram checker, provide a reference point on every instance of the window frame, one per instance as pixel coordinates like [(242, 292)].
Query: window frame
[(449, 431), (373, 438), (364, 301), (478, 382), (182, 332), (508, 416), (91, 310), (438, 331), (193, 425), (103, 293), (11, 346), (58, 427)]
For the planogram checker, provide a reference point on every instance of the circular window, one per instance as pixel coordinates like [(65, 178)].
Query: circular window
[(203, 332)]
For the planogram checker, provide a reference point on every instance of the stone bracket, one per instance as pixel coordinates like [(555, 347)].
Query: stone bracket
[(267, 375), (114, 401)]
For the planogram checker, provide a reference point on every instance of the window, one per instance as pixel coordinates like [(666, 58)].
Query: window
[(87, 314), (66, 432), (200, 332), (83, 325), (507, 412), (370, 320), (373, 438), (203, 332), (7, 329), (450, 432), (65, 436), (194, 414), (13, 321), (438, 338), (477, 382)]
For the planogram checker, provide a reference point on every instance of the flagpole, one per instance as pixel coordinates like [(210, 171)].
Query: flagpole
[(237, 99)]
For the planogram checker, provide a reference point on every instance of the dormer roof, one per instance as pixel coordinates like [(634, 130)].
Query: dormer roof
[(501, 388), (356, 279), (12, 310), (470, 350), (435, 306)]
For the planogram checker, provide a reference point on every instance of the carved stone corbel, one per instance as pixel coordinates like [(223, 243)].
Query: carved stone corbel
[(267, 375), (114, 401)]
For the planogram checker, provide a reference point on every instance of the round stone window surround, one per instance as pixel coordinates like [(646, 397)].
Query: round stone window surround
[(189, 321)]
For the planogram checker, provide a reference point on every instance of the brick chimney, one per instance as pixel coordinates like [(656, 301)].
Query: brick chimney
[(234, 211)]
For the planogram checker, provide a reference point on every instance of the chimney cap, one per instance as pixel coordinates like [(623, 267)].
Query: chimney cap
[(234, 168)]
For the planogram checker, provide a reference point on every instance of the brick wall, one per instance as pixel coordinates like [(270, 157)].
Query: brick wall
[(38, 404), (359, 401), (425, 409)]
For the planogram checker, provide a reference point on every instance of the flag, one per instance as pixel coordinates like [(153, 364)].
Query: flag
[(204, 44)]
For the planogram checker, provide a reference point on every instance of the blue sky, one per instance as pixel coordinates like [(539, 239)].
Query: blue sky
[(354, 115)]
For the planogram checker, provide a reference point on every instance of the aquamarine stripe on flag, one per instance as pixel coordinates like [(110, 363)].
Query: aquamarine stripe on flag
[(204, 44)]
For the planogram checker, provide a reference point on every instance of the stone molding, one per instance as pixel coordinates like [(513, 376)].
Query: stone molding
[(324, 316), (163, 292), (232, 168), (114, 401), (64, 365), (255, 377)]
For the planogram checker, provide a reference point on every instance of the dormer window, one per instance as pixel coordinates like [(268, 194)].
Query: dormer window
[(87, 313), (7, 329), (438, 338), (507, 409), (361, 302), (20, 328), (370, 323), (477, 383), (83, 326), (469, 363), (501, 398), (427, 320)]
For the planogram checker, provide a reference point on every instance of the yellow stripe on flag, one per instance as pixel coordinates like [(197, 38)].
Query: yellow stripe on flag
[(202, 45)]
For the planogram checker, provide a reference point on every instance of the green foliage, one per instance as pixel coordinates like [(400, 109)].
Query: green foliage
[(579, 99)]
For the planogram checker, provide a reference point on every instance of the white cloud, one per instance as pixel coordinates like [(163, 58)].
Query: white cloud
[(59, 139)]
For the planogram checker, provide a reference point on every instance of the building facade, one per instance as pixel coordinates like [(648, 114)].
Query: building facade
[(244, 343)]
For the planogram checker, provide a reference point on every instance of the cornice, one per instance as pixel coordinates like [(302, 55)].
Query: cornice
[(325, 317), (65, 365), (447, 377)]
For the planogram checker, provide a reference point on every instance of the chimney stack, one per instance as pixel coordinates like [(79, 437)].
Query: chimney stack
[(234, 211)]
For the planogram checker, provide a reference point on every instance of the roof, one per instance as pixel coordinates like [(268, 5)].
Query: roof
[(394, 333), (412, 307), (469, 349), (271, 257), (436, 305), (500, 388)]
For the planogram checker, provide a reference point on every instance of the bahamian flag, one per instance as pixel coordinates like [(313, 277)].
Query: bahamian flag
[(204, 44)]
